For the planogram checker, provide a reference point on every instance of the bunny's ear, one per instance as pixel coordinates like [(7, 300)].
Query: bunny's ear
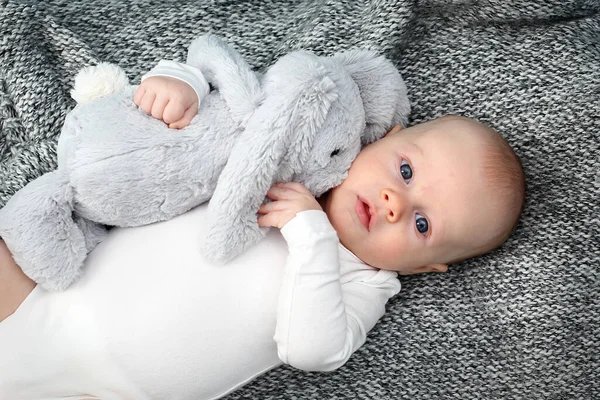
[(382, 90), (277, 140)]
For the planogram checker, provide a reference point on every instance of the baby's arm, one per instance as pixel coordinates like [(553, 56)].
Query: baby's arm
[(322, 317), (14, 284), (172, 92)]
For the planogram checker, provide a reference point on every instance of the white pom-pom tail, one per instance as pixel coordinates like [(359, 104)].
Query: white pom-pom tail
[(97, 81)]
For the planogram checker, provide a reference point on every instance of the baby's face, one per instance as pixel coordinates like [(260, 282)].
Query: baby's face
[(415, 200)]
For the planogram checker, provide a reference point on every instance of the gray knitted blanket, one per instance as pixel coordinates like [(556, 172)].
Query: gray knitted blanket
[(520, 323)]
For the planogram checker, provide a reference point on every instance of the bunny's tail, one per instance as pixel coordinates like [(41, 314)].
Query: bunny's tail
[(97, 81)]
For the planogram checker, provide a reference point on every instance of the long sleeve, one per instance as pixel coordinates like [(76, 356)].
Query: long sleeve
[(190, 75), (329, 299)]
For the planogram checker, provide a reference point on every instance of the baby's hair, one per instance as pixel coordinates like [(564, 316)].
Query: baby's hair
[(503, 172)]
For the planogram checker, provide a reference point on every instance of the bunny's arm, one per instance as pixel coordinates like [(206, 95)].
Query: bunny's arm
[(225, 69), (329, 299)]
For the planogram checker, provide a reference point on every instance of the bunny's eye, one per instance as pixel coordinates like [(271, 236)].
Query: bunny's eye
[(335, 152)]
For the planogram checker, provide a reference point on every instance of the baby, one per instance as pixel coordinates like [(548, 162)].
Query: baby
[(415, 201), (151, 319)]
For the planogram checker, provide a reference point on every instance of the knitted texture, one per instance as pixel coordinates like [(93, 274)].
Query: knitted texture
[(522, 322)]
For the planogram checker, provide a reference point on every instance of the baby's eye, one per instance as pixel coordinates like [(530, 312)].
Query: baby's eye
[(422, 224), (406, 171)]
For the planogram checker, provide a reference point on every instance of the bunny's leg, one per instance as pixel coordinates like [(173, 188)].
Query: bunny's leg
[(37, 226)]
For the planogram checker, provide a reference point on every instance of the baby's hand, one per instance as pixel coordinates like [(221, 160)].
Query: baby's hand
[(288, 199), (168, 99)]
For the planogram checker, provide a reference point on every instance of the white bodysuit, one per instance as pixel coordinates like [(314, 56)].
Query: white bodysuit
[(152, 319)]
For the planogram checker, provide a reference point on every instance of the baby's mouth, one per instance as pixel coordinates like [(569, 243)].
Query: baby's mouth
[(363, 213)]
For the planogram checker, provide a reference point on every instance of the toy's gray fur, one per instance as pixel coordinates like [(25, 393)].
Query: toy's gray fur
[(305, 120)]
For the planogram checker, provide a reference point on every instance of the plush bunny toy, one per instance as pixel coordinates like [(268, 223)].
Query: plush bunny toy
[(305, 120)]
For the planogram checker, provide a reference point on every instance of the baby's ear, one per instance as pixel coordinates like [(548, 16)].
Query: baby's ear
[(427, 268), (395, 129), (437, 268)]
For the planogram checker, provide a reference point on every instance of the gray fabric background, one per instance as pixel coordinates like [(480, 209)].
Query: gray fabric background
[(520, 323)]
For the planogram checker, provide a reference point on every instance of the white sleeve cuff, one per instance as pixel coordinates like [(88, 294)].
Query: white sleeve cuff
[(190, 75), (308, 226)]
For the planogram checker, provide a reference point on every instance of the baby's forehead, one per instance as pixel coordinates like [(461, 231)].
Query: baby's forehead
[(461, 129), (457, 145)]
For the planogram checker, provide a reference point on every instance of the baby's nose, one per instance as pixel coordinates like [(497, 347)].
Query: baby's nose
[(393, 203)]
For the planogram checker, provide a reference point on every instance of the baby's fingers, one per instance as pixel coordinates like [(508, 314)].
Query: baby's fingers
[(139, 94), (158, 107), (296, 186), (174, 111), (147, 102), (188, 115), (287, 191), (283, 191), (277, 219), (272, 206)]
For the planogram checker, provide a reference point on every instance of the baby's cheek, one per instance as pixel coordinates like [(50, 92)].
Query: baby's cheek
[(391, 252)]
